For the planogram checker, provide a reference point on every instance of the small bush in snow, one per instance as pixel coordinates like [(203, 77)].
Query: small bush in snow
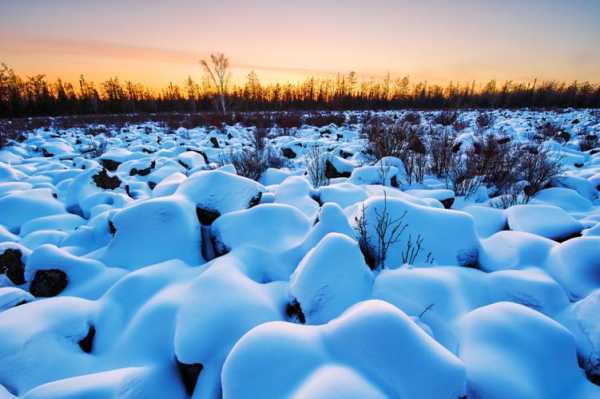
[(587, 141), (412, 249), (484, 120), (324, 119), (441, 154), (537, 167), (446, 118), (513, 197), (414, 118), (551, 130), (253, 161), (316, 162), (460, 124), (403, 140)]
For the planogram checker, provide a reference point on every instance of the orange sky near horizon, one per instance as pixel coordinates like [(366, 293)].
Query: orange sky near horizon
[(156, 42)]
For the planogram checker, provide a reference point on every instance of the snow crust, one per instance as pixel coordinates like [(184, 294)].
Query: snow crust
[(138, 263)]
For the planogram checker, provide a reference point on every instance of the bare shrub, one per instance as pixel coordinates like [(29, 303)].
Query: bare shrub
[(484, 120), (382, 141), (441, 154), (496, 162), (446, 118), (412, 249), (316, 166), (587, 141), (287, 120), (467, 186), (96, 149), (401, 140), (414, 158), (323, 119), (551, 130), (414, 118), (388, 231), (537, 167), (513, 197), (460, 124), (253, 161)]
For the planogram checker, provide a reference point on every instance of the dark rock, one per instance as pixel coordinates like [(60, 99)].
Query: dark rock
[(86, 344), (294, 312), (456, 147), (12, 265), (503, 140), (48, 283), (151, 184), (591, 368), (199, 152), (103, 180), (316, 196), (331, 172), (189, 374), (578, 165), (183, 164), (128, 191), (565, 136), (206, 216), (111, 228), (468, 258), (394, 181), (288, 153), (214, 142), (142, 172), (345, 154), (448, 202), (567, 237), (110, 165), (255, 200)]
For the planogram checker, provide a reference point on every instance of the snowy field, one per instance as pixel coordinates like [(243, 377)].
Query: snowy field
[(136, 263)]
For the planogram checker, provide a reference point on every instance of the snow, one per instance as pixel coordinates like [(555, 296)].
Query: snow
[(187, 279), (152, 231), (331, 277), (487, 220), (288, 226), (449, 236), (576, 265), (524, 364), (543, 220), (369, 337), (220, 191), (20, 207)]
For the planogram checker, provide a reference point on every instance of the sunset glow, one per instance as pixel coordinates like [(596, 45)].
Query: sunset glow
[(157, 42)]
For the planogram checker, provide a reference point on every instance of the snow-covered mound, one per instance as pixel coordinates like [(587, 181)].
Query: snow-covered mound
[(147, 262)]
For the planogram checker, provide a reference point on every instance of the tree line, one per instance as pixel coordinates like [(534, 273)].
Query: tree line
[(36, 96)]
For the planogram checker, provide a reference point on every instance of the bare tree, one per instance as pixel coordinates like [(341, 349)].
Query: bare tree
[(219, 76)]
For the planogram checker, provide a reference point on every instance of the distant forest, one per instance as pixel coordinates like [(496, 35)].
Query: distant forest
[(36, 96)]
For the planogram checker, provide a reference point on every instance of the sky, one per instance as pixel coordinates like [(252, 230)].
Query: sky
[(156, 42)]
